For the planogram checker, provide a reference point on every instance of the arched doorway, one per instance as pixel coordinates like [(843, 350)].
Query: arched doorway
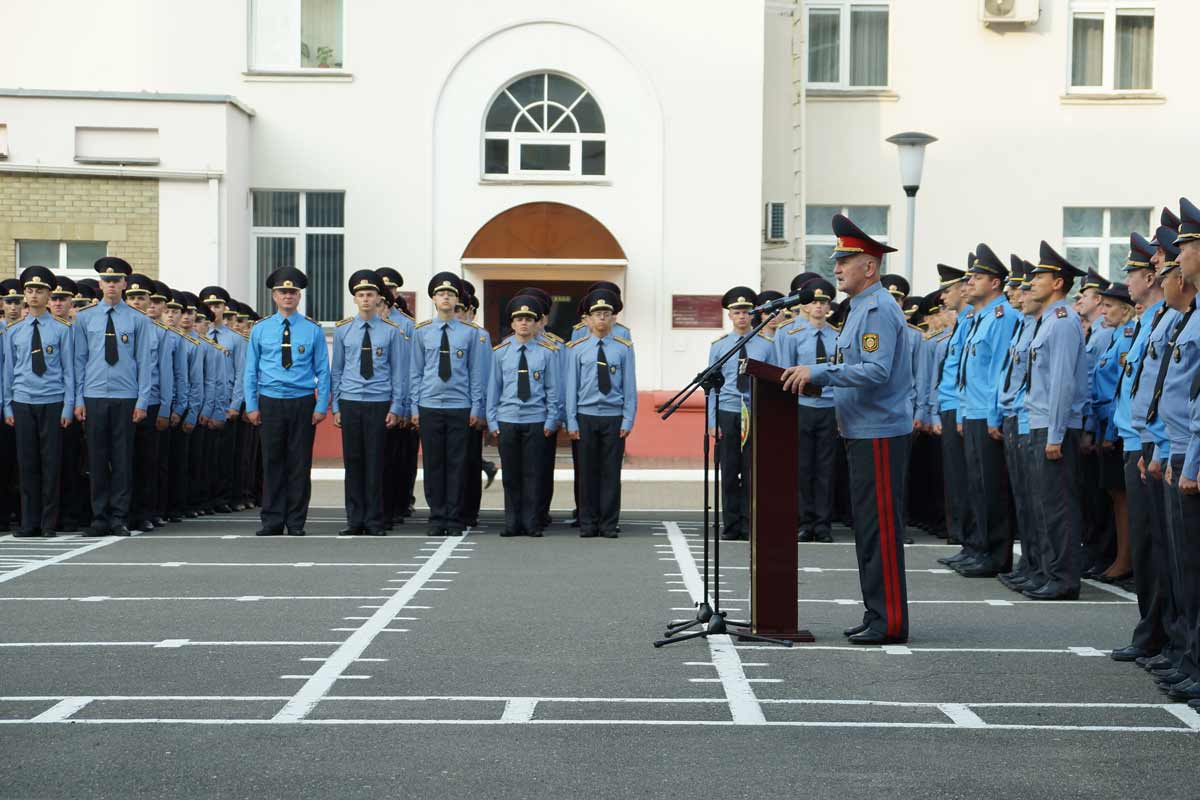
[(552, 245)]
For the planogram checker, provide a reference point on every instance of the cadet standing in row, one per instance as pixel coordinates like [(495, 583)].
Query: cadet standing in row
[(158, 411), (403, 442), (286, 362), (370, 397), (73, 510), (872, 379), (38, 391)]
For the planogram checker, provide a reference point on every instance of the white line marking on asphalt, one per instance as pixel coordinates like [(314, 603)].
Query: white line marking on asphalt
[(1184, 714), (962, 716), (211, 563), (356, 644), (228, 598), (167, 644), (338, 678), (1087, 651), (519, 709), (58, 559), (743, 703), (896, 650), (1117, 590), (62, 710)]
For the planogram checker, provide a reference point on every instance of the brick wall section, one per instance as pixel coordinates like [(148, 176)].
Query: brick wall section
[(120, 211)]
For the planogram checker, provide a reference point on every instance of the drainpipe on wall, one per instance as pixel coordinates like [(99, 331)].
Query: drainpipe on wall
[(798, 113)]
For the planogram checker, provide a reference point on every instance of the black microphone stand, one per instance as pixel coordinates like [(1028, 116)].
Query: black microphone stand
[(709, 614)]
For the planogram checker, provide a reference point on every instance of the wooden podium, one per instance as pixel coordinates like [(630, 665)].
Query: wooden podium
[(773, 505)]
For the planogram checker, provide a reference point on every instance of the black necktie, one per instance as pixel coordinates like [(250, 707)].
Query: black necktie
[(1121, 378), (111, 355), (942, 363), (1137, 376), (1029, 362), (822, 355), (603, 379), (366, 364), (962, 359), (39, 358), (444, 354), (1008, 357), (1152, 411), (523, 390), (743, 381), (287, 345)]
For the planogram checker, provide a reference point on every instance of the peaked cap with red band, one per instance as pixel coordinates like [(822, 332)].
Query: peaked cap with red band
[(852, 241)]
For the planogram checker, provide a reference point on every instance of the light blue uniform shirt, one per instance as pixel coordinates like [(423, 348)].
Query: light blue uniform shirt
[(216, 378), (237, 345), (932, 399), (1177, 386), (403, 321), (1057, 387), (1156, 344), (1191, 461), (1122, 418), (798, 345), (581, 331), (163, 392), (873, 375), (1110, 365), (1093, 346), (543, 361), (193, 360), (179, 368), (1012, 383), (581, 390), (132, 377), (389, 362), (264, 363), (760, 347), (467, 386), (57, 384), (947, 391), (983, 354)]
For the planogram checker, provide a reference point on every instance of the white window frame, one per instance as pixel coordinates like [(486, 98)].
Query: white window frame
[(783, 235), (59, 269), (554, 136), (829, 240), (845, 7), (1105, 240), (255, 68), (1109, 10), (298, 234)]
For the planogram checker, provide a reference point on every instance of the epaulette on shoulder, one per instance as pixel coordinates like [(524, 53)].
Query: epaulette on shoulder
[(915, 328), (766, 336), (623, 340), (720, 338), (552, 336), (310, 319), (16, 324), (423, 323), (472, 324), (161, 325), (577, 341), (388, 322), (796, 329), (551, 347), (410, 316), (932, 334), (190, 338), (64, 321), (502, 344), (342, 322), (219, 347), (578, 325)]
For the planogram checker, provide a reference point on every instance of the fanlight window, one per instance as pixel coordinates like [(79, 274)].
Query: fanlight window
[(544, 126)]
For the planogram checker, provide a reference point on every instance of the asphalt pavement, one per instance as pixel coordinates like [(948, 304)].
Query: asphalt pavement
[(202, 661)]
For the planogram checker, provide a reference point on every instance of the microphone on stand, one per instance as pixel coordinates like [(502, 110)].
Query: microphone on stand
[(797, 298)]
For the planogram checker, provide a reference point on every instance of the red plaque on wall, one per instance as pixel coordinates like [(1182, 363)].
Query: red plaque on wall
[(697, 311)]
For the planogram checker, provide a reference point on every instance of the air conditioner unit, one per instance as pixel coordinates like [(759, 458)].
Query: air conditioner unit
[(1023, 12), (775, 223)]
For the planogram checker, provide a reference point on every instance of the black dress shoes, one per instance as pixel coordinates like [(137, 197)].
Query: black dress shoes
[(855, 630), (825, 537), (1150, 662), (588, 534), (1050, 593), (1129, 653), (374, 532), (351, 532), (803, 536), (436, 531), (223, 509), (1194, 704), (610, 534), (875, 637), (506, 534), (92, 531), (119, 530), (296, 533), (1173, 678), (268, 532), (961, 555), (536, 534), (1185, 693), (49, 534), (978, 570), (26, 535)]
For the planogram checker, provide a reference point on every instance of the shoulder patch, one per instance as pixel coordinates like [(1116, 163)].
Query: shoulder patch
[(578, 341), (552, 336), (970, 313), (623, 341), (1061, 312), (1128, 331), (870, 342), (342, 322), (502, 344), (553, 348), (423, 323), (999, 312)]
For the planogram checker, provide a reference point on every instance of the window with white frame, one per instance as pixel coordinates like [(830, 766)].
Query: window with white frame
[(848, 44), (72, 259), (1112, 46), (296, 35), (305, 230), (544, 126), (819, 241), (1098, 238)]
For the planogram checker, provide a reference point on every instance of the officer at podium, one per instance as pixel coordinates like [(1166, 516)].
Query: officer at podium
[(872, 378)]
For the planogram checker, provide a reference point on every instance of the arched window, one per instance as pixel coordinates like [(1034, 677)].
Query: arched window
[(544, 125)]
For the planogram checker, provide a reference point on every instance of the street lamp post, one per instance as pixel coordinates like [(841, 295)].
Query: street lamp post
[(912, 159)]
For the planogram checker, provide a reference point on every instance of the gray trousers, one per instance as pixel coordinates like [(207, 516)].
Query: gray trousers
[(1183, 525), (987, 492), (1173, 619), (878, 471), (1016, 460), (1059, 511), (1149, 561), (960, 521)]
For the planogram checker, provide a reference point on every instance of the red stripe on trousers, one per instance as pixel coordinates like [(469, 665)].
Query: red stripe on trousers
[(891, 570), (881, 515)]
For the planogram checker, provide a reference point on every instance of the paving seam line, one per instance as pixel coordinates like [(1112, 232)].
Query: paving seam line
[(87, 548)]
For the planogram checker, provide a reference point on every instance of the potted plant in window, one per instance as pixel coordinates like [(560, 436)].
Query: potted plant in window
[(324, 57)]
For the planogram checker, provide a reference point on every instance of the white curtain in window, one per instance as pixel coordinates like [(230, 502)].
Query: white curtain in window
[(1135, 51), (868, 46), (1087, 50), (824, 45), (276, 26), (321, 28)]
